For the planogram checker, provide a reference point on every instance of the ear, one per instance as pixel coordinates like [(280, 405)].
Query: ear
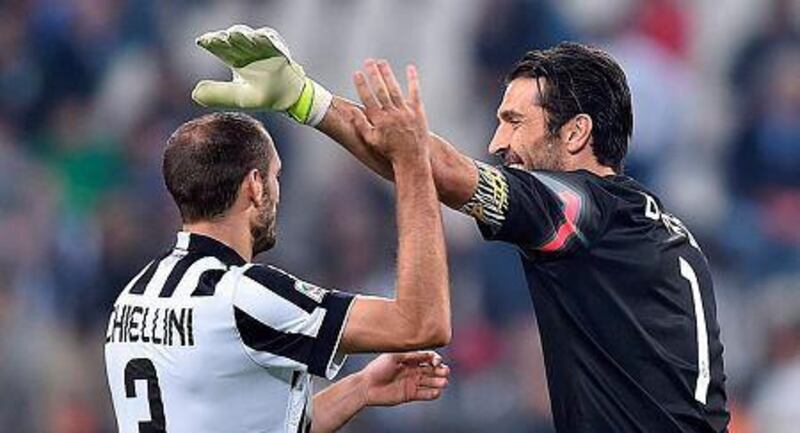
[(577, 133), (253, 188)]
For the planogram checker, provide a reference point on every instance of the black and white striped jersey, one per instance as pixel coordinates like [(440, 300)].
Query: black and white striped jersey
[(201, 341)]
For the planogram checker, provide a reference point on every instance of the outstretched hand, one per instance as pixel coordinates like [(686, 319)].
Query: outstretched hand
[(265, 77), (396, 378), (391, 123)]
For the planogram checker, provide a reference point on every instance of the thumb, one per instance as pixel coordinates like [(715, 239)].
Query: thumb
[(222, 94)]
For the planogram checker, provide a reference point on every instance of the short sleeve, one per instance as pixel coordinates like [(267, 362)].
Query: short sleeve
[(543, 213), (286, 322)]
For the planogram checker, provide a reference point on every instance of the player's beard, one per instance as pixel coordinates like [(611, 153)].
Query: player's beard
[(548, 154), (263, 230)]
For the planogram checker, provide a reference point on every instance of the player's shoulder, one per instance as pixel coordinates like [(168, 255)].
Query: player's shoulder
[(268, 276), (625, 194), (277, 281), (582, 180), (579, 181), (580, 192), (600, 200), (606, 192)]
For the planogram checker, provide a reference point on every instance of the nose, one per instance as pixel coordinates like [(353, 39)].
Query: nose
[(500, 141)]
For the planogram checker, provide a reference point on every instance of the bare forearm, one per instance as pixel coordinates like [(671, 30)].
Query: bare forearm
[(454, 173), (419, 315), (422, 277), (396, 126), (337, 404)]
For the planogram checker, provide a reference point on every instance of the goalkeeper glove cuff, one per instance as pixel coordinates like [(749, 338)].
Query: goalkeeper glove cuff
[(313, 103)]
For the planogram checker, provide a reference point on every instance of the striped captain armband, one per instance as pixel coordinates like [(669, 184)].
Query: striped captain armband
[(489, 203)]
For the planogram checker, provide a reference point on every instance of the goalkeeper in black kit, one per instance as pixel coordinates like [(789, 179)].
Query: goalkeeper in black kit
[(622, 291)]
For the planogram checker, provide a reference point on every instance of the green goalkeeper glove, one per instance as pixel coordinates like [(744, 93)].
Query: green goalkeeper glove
[(264, 76)]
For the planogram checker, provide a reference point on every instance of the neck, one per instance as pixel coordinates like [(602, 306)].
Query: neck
[(602, 170), (230, 233), (589, 163)]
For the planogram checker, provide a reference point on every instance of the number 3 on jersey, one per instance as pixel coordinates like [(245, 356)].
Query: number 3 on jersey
[(143, 369), (703, 368)]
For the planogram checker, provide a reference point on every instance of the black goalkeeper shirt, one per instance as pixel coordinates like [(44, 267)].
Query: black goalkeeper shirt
[(623, 298)]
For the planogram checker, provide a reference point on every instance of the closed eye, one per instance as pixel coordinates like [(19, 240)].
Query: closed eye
[(511, 117), (515, 123)]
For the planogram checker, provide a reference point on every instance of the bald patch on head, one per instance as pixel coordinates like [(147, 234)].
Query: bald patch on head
[(207, 158)]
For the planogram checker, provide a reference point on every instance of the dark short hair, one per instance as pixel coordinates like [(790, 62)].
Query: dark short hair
[(207, 159), (583, 79)]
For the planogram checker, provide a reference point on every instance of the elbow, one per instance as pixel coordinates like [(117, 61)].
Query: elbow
[(423, 324), (430, 336), (440, 337)]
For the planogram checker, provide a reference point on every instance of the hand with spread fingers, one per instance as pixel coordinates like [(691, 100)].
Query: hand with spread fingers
[(391, 123), (396, 378), (265, 77)]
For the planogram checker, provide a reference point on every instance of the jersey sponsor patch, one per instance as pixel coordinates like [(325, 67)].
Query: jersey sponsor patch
[(314, 292)]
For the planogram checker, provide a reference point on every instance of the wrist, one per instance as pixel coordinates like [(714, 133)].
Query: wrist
[(361, 386), (411, 161), (313, 103)]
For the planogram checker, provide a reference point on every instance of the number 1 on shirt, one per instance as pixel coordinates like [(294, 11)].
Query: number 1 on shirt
[(703, 371)]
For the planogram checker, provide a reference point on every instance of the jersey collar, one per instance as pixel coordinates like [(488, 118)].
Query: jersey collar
[(193, 242)]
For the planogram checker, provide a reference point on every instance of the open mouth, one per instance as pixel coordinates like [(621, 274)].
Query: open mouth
[(513, 160)]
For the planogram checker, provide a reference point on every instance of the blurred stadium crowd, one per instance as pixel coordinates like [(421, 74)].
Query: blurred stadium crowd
[(90, 90)]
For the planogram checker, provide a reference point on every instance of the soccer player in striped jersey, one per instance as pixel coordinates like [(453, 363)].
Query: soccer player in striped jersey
[(204, 340), (622, 291)]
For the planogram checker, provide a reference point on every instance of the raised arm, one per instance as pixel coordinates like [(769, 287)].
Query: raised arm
[(419, 315), (267, 78), (454, 173)]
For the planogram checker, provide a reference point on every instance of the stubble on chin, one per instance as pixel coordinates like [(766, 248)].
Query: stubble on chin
[(263, 232), (549, 156)]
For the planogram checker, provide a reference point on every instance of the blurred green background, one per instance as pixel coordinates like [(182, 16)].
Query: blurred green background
[(90, 89)]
